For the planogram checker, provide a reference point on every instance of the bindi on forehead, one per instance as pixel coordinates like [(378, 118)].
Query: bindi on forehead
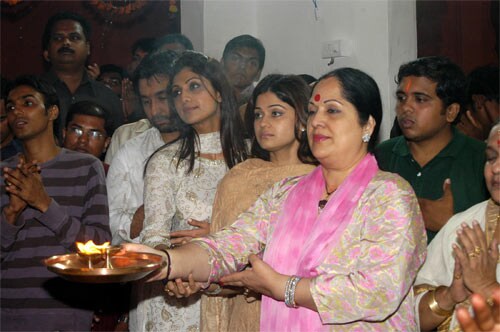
[(317, 97)]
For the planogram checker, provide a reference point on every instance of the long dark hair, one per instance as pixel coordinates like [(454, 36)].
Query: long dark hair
[(294, 91), (231, 128)]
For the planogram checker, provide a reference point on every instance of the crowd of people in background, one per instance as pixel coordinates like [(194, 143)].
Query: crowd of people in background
[(272, 201)]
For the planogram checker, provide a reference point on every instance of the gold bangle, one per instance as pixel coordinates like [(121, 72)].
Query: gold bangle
[(434, 305)]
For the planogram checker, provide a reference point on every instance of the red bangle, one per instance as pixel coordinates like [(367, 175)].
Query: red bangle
[(169, 267)]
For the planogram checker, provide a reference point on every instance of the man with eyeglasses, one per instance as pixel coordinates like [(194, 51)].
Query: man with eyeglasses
[(243, 59), (51, 197), (88, 129), (66, 47)]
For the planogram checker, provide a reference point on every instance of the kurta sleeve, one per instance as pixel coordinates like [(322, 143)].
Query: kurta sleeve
[(120, 190), (438, 268), (230, 247), (159, 199), (370, 273)]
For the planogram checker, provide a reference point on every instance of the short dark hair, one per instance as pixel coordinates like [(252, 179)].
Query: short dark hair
[(449, 77), (173, 38), (145, 44), (294, 91), (246, 41), (41, 86), (361, 90), (483, 81), (111, 68), (87, 107), (153, 65), (60, 17)]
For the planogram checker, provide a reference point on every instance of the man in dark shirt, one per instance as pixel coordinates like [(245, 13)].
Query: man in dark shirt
[(66, 46), (444, 167), (242, 60)]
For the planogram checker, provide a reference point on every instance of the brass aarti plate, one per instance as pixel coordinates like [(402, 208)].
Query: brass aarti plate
[(121, 267)]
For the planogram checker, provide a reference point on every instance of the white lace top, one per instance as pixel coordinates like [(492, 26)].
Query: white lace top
[(171, 197)]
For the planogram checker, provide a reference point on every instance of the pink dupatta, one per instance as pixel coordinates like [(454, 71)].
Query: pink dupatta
[(302, 239)]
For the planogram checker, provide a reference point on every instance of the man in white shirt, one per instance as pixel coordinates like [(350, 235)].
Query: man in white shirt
[(125, 179)]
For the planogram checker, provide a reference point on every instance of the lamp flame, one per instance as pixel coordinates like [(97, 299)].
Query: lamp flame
[(90, 248)]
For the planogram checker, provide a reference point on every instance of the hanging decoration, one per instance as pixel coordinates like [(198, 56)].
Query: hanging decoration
[(172, 8), (120, 13), (11, 2), (126, 12), (16, 9), (123, 7)]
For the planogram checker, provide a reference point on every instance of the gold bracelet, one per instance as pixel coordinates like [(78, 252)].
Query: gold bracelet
[(434, 305)]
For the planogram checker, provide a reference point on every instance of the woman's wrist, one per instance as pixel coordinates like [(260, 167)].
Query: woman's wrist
[(168, 266), (212, 289), (441, 301), (279, 287), (290, 288)]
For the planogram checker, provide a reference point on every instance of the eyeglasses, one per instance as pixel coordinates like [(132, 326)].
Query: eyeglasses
[(91, 134)]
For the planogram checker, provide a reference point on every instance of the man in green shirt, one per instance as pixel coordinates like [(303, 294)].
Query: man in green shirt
[(444, 167)]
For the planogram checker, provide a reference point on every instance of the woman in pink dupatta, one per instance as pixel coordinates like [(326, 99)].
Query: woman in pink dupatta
[(337, 249)]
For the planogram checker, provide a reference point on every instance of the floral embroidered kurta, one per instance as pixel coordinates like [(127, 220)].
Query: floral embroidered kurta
[(237, 191), (364, 283), (171, 197)]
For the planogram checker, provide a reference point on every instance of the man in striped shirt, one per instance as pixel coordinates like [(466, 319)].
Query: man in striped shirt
[(50, 198)]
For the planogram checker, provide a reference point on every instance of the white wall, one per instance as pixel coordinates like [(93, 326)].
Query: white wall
[(383, 33), (192, 22)]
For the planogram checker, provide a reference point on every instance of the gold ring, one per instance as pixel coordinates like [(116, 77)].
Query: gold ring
[(472, 254), (490, 301), (477, 250)]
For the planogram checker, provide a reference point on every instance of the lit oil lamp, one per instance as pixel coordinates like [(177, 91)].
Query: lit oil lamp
[(103, 264), (96, 254)]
